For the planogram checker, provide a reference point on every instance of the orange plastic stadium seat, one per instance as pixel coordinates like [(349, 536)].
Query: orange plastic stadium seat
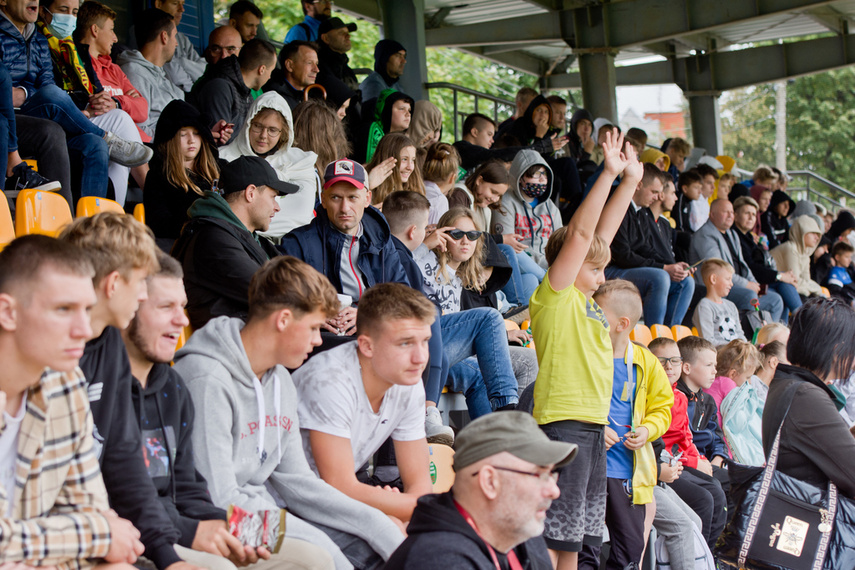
[(680, 331), (91, 205), (7, 226), (139, 213), (38, 212), (641, 334), (661, 330)]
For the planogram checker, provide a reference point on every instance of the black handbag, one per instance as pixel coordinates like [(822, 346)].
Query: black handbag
[(780, 522)]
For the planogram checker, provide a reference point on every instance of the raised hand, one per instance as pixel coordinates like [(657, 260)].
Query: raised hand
[(634, 170), (614, 161)]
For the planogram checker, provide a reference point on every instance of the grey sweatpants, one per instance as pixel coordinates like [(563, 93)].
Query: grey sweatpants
[(672, 521)]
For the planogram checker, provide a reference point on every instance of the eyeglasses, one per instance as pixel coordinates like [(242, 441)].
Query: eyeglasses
[(674, 360), (214, 48), (458, 234), (538, 174), (271, 131), (544, 476)]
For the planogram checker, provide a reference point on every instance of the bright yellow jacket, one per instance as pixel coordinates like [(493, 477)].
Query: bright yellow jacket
[(652, 409)]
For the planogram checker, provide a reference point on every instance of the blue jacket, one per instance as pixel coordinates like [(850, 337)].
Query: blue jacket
[(703, 421), (27, 61), (319, 244)]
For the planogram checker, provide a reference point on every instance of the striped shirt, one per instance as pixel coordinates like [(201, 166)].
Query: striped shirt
[(59, 494)]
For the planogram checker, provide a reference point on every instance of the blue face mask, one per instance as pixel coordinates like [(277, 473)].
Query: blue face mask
[(63, 25)]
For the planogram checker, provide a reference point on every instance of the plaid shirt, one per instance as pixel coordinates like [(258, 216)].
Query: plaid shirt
[(59, 494)]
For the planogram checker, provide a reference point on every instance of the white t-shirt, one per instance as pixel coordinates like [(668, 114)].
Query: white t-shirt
[(332, 400), (9, 453)]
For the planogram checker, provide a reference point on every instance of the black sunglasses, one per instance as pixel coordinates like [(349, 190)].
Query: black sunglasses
[(458, 234)]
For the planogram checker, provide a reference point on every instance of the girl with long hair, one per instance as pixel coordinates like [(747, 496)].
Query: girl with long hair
[(406, 176)]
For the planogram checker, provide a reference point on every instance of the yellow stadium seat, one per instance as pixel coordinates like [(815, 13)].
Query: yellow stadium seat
[(7, 226), (641, 334), (661, 330), (33, 164), (679, 331), (695, 331), (441, 472), (91, 205), (727, 162), (38, 212), (826, 292), (511, 325), (139, 213)]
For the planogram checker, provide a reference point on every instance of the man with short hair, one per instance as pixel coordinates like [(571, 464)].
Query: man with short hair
[(219, 248), (522, 100), (666, 288), (334, 43), (678, 150), (299, 69), (222, 42), (559, 112), (59, 514), (493, 516), (390, 58), (316, 11), (246, 434), (476, 145), (717, 239), (353, 397), (225, 91), (245, 17), (165, 412), (186, 65)]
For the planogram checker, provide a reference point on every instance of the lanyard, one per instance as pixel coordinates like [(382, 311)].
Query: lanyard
[(513, 561), (631, 385)]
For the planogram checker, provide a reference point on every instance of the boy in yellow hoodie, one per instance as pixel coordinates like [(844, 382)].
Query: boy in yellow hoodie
[(640, 412)]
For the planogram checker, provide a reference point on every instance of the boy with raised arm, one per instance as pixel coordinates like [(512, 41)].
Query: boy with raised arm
[(574, 384)]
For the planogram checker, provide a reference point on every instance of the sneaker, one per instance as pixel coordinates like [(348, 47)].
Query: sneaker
[(435, 430), (23, 176), (127, 153)]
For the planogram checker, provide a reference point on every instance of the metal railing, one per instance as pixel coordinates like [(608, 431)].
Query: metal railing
[(807, 185), (477, 96)]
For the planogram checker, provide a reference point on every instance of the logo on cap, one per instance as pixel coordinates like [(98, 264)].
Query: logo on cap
[(344, 167)]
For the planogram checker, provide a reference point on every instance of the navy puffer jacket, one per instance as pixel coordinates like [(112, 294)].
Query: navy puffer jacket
[(27, 60)]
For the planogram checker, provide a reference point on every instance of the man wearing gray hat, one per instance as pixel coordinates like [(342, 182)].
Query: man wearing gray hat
[(492, 518)]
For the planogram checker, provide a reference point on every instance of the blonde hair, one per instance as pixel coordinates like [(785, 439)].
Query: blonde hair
[(113, 242), (739, 355), (204, 165), (388, 302), (598, 254), (317, 129), (622, 297), (470, 270), (392, 145), (727, 177), (680, 145), (714, 265), (441, 162), (770, 331)]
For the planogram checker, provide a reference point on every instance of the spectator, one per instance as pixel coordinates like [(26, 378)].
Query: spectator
[(774, 221), (815, 444), (390, 58), (492, 514), (763, 176), (662, 232), (761, 264), (559, 113), (186, 65), (404, 176), (839, 281), (655, 157), (334, 43), (690, 185), (222, 42), (245, 17), (725, 185), (45, 141), (795, 254), (26, 55), (716, 318), (425, 127), (219, 248), (237, 374), (701, 208), (534, 126), (838, 230), (299, 62), (601, 127), (157, 39), (521, 102), (677, 149), (45, 296), (440, 171), (581, 144), (638, 138), (666, 288), (318, 130), (475, 147), (771, 354), (165, 413), (225, 91), (717, 239), (269, 133), (354, 397), (392, 114), (183, 169), (316, 11)]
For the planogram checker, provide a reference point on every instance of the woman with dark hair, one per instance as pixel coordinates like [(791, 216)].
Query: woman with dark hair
[(816, 445)]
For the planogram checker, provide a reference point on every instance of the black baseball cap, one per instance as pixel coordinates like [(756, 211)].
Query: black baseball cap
[(331, 24), (236, 175)]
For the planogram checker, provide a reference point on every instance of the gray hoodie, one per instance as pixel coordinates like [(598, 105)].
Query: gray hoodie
[(152, 83), (228, 428), (534, 224)]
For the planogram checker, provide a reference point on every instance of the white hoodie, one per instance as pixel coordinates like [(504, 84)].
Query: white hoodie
[(290, 163)]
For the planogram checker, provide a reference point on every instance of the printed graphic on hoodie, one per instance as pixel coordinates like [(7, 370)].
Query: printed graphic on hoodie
[(158, 450)]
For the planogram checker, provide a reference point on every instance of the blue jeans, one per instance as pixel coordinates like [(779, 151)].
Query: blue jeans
[(790, 296), (90, 151), (51, 102), (465, 377), (664, 301), (481, 332), (771, 301), (523, 282)]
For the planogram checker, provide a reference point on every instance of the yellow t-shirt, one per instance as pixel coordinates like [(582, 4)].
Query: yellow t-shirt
[(571, 335)]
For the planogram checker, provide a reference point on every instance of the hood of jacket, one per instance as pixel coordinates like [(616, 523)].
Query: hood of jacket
[(382, 52), (803, 208), (240, 145), (177, 115), (524, 160), (523, 128), (383, 109), (778, 197), (651, 155), (227, 68), (212, 205), (802, 226), (579, 115), (220, 340), (845, 221), (134, 56), (427, 118)]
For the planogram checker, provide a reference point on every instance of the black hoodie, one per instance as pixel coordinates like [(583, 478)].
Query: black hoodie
[(222, 93), (165, 414), (822, 267), (776, 228), (336, 64), (382, 52), (575, 143), (118, 444), (523, 129), (439, 537)]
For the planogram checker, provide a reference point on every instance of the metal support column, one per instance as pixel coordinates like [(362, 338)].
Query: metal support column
[(706, 121), (597, 71), (404, 22)]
